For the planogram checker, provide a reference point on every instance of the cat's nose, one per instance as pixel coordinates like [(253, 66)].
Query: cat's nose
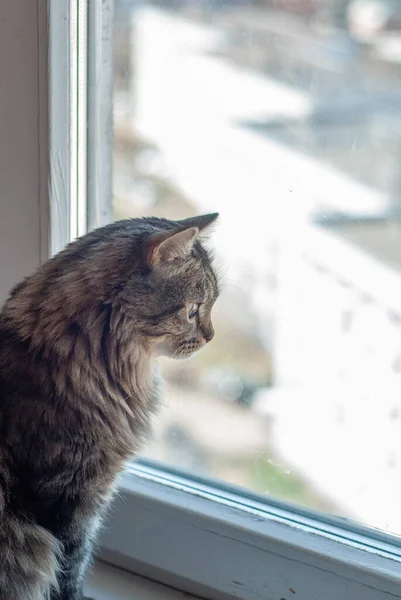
[(208, 333)]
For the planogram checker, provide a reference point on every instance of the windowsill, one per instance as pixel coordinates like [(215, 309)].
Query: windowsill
[(110, 583)]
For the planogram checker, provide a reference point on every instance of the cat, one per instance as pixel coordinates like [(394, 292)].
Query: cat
[(77, 340)]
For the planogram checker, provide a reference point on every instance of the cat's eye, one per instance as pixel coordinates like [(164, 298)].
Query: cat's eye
[(193, 310)]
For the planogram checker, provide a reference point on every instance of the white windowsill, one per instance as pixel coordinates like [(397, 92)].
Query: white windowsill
[(110, 583)]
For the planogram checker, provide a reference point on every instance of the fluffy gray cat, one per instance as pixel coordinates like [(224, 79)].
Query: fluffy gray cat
[(76, 344)]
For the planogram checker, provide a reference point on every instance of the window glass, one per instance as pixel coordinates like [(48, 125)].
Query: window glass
[(285, 117)]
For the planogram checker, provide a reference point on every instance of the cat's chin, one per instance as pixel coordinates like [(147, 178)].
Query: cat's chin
[(182, 352), (183, 355), (186, 354)]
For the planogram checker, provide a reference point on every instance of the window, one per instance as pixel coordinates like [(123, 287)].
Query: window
[(276, 115), (260, 111)]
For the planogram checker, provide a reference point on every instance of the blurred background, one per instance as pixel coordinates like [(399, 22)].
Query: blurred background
[(284, 116)]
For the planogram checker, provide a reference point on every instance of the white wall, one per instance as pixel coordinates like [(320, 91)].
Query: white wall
[(23, 139)]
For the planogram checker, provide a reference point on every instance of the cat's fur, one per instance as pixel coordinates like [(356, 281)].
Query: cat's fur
[(76, 342)]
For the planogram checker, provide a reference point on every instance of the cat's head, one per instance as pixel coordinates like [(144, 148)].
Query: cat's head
[(170, 294), (138, 279)]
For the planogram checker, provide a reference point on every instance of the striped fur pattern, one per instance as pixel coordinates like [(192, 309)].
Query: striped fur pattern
[(77, 340)]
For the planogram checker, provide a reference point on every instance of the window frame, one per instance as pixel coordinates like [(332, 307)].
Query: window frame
[(217, 542), (221, 542), (100, 112), (80, 125), (60, 146)]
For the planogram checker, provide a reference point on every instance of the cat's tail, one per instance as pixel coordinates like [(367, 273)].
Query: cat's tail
[(29, 558)]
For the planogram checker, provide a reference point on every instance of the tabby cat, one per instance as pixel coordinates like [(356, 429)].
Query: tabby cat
[(76, 343)]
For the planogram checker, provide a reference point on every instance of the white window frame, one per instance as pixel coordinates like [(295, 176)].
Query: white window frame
[(219, 542), (80, 127), (213, 540)]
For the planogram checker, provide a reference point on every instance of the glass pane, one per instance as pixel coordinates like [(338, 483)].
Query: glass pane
[(285, 117)]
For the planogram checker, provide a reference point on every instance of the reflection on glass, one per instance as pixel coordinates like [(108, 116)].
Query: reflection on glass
[(285, 118)]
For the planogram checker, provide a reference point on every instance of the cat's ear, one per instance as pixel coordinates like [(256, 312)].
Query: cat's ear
[(201, 221), (165, 246)]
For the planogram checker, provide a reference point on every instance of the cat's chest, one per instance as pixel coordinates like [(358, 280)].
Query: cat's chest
[(75, 444), (122, 417), (114, 405)]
